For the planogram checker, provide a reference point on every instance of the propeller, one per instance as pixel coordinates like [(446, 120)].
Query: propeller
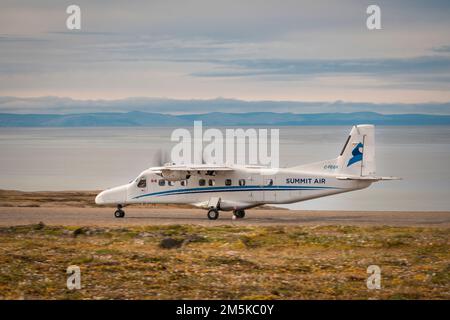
[(160, 157)]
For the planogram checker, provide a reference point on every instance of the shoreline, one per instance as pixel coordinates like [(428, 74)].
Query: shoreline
[(76, 199), (86, 199)]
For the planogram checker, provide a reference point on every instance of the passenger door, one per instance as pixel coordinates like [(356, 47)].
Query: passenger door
[(269, 183), (255, 191)]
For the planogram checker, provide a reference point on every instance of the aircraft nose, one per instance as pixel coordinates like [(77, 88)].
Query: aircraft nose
[(99, 198), (117, 195)]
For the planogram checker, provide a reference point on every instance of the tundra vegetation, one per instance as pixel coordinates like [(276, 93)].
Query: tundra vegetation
[(224, 262)]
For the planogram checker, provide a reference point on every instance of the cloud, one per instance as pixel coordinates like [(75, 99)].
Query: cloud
[(307, 50), (20, 39), (442, 49), (311, 67)]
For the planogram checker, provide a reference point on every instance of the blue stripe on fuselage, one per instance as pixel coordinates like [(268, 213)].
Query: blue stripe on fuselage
[(231, 189)]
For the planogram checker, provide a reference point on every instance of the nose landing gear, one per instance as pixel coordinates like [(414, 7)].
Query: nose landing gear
[(119, 212)]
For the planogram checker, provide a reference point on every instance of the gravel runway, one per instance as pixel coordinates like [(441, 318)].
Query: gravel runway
[(77, 216)]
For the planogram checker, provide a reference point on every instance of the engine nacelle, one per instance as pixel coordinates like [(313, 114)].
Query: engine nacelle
[(170, 175)]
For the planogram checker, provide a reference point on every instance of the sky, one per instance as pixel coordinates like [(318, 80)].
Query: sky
[(308, 51)]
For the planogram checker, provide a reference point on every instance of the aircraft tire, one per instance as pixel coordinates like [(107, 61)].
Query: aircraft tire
[(119, 213), (213, 214), (239, 214)]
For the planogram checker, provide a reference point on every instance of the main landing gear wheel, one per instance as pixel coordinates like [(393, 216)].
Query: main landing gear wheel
[(119, 212), (239, 214), (213, 214)]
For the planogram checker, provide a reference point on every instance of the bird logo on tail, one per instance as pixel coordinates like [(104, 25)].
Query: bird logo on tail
[(357, 154)]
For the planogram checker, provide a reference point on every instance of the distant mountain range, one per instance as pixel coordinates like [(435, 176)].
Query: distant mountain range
[(144, 119), (62, 105)]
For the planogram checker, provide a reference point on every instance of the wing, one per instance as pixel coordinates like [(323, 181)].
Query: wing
[(197, 167), (182, 172)]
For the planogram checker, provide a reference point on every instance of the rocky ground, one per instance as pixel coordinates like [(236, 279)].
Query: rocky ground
[(224, 262)]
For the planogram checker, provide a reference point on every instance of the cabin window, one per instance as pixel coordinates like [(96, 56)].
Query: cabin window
[(228, 182), (211, 182), (142, 183), (162, 182), (201, 182), (183, 183), (242, 182), (171, 183), (269, 182)]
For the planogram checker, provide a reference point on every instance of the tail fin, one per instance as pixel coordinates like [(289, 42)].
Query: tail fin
[(357, 158)]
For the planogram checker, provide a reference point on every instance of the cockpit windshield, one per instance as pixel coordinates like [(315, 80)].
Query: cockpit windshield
[(142, 182)]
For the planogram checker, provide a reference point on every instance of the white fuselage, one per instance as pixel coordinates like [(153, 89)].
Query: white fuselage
[(242, 188)]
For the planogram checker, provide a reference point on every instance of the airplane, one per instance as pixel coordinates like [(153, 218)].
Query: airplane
[(237, 188)]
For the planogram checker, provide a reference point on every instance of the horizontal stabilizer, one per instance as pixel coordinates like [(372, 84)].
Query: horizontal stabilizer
[(368, 178)]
